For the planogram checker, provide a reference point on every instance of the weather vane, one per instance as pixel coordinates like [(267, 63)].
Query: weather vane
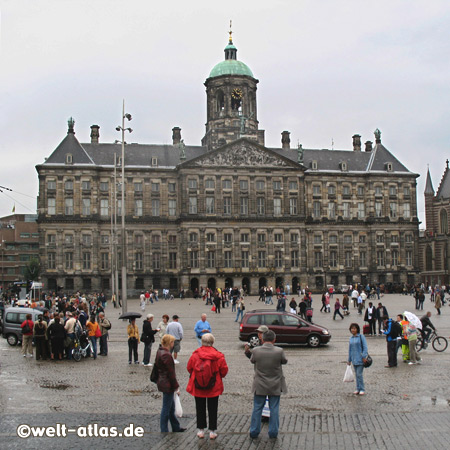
[(230, 33)]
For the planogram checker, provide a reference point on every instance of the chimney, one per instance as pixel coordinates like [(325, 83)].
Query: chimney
[(95, 134), (285, 140), (368, 145), (356, 143), (176, 135)]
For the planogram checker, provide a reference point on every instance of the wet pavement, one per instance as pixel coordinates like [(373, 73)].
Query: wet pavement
[(404, 407)]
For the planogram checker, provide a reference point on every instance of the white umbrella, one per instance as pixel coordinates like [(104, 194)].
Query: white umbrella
[(413, 319)]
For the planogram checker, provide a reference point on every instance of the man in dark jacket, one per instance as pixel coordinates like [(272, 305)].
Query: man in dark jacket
[(390, 330), (148, 337), (381, 312), (427, 326)]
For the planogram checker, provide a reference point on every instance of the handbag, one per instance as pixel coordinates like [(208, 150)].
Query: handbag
[(178, 408), (348, 376), (213, 308), (369, 359), (155, 373), (98, 332)]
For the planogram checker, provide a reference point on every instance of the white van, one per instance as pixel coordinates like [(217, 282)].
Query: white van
[(13, 318)]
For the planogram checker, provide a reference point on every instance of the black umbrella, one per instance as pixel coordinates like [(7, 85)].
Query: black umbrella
[(130, 315)]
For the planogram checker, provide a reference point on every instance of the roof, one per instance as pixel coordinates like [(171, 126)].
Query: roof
[(444, 186), (230, 67), (429, 185)]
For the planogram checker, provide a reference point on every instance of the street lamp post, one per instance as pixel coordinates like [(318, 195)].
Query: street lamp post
[(124, 245)]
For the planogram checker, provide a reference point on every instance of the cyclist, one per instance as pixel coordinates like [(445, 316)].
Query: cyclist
[(427, 328)]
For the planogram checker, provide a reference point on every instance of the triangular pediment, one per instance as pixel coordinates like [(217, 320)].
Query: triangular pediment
[(242, 153)]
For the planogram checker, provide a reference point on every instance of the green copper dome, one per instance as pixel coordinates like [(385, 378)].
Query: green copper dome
[(231, 66)]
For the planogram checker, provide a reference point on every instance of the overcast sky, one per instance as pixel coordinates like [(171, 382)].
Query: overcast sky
[(327, 70)]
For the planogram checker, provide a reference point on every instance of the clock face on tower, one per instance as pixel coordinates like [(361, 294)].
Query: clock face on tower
[(236, 93)]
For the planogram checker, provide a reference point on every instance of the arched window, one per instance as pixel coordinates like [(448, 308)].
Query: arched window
[(443, 218), (220, 101), (429, 258)]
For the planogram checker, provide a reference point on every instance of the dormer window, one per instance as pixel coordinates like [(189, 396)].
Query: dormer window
[(343, 166), (389, 167), (154, 161), (69, 158), (314, 165)]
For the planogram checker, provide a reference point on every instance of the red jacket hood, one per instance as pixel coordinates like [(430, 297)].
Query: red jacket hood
[(208, 353)]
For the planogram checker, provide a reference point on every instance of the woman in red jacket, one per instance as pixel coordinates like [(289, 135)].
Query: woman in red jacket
[(207, 367)]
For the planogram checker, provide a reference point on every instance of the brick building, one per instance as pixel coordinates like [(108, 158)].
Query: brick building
[(229, 212)]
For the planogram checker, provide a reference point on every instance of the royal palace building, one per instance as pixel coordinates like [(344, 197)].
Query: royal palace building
[(434, 244), (230, 211)]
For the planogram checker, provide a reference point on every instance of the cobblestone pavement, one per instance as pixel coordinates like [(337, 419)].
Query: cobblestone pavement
[(404, 407)]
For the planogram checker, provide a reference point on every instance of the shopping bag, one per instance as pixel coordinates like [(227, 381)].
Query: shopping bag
[(178, 408), (349, 377), (213, 308)]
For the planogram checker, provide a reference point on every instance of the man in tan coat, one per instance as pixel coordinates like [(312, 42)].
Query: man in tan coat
[(268, 381)]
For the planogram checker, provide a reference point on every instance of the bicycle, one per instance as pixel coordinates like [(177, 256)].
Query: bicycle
[(439, 343)]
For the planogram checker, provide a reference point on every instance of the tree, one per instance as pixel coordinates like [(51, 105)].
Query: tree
[(32, 270)]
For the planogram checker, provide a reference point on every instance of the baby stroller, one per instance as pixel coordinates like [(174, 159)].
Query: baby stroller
[(82, 347)]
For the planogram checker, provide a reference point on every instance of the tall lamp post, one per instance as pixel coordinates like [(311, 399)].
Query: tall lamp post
[(124, 245)]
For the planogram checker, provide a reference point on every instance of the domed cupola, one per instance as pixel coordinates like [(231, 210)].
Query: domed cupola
[(231, 102)]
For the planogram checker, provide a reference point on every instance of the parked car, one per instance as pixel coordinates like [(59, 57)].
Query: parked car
[(13, 318), (289, 328)]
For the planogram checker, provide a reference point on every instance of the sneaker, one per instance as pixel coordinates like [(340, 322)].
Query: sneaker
[(129, 362), (148, 365), (200, 434), (212, 435), (136, 362), (419, 361), (176, 361), (362, 393), (411, 363), (356, 392), (24, 356)]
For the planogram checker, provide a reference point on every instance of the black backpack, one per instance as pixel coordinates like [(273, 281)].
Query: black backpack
[(396, 330), (26, 328)]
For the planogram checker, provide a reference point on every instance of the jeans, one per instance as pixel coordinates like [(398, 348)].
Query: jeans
[(392, 353), (104, 344), (240, 312), (199, 340), (168, 413), (359, 378), (93, 340), (274, 420), (147, 352), (233, 306)]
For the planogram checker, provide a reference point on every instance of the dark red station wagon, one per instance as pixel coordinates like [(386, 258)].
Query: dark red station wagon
[(289, 328)]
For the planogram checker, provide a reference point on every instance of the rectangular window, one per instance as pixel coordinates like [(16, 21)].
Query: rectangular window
[(277, 206), (261, 238), (51, 260), (395, 238), (86, 185), (68, 239), (68, 260), (346, 190), (346, 210), (226, 184), (293, 206), (210, 205), (105, 261), (156, 238), (138, 261), (86, 239), (192, 205), (378, 209), (406, 191), (172, 260), (51, 239), (244, 206), (361, 210), (155, 187), (363, 259), (172, 207), (243, 185), (156, 261), (227, 259), (294, 259), (119, 207), (316, 210), (360, 190), (408, 238), (277, 185), (331, 210), (333, 239), (378, 191), (68, 185), (294, 238), (260, 185), (155, 207), (293, 186), (392, 190), (394, 257), (409, 257), (227, 206), (406, 210), (278, 237), (348, 239), (104, 239), (139, 239), (228, 238), (86, 261), (331, 189), (333, 258), (316, 189), (317, 239), (278, 259), (245, 237), (193, 259), (210, 237), (138, 208), (104, 207), (362, 238), (380, 238), (138, 186), (51, 206), (318, 259), (261, 259), (380, 257), (86, 210), (393, 210), (51, 185), (192, 183), (172, 238), (210, 184), (104, 186), (211, 260), (348, 262), (193, 237), (68, 206), (244, 259), (260, 206), (172, 187)]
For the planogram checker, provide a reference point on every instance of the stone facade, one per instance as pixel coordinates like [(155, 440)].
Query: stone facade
[(229, 212), (434, 244)]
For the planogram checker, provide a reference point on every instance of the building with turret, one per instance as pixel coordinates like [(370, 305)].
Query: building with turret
[(230, 211), (434, 245)]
